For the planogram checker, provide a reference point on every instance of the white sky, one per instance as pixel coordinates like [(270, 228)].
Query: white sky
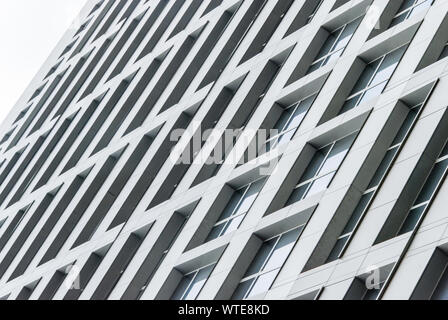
[(29, 30)]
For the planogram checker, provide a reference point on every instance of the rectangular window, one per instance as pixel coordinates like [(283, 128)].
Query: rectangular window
[(410, 8), (236, 210), (288, 123), (192, 284), (374, 79), (426, 194), (364, 202), (322, 169), (335, 45), (267, 265), (305, 16)]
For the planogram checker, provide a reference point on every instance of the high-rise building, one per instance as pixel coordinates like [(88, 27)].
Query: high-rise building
[(232, 149)]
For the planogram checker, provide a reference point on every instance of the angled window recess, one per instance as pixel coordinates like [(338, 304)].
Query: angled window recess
[(333, 47), (287, 124), (129, 10), (99, 122), (88, 35), (38, 91), (82, 27), (163, 26), (86, 274), (30, 225), (163, 82), (41, 160), (110, 20), (427, 193), (322, 168), (54, 284), (50, 223), (242, 117), (69, 47), (121, 262), (198, 61), (22, 114), (233, 43), (267, 30), (363, 204), (186, 18), (189, 155), (266, 265), (7, 135), (68, 143), (53, 69), (35, 111), (152, 169), (359, 290), (236, 209), (13, 225), (84, 76), (374, 79), (212, 6), (110, 58), (144, 31), (96, 7), (130, 103), (191, 284), (45, 116), (27, 291), (115, 189), (157, 254), (22, 168), (11, 164), (82, 206), (305, 15), (410, 8)]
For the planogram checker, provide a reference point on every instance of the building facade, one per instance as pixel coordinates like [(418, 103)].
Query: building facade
[(232, 149)]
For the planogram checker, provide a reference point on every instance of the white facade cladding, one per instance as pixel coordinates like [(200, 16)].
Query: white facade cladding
[(232, 149)]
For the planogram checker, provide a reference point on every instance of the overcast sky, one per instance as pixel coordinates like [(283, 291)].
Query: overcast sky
[(29, 30)]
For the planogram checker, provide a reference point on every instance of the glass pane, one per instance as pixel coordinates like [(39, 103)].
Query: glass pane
[(424, 4), (283, 121), (243, 288), (332, 57), (385, 164), (183, 287), (263, 283), (411, 220), (337, 155), (282, 250), (373, 93), (300, 112), (372, 294), (298, 194), (216, 232), (198, 283), (232, 205), (388, 66), (346, 35), (250, 197), (406, 5), (233, 224), (359, 210), (262, 256), (286, 137), (350, 104), (315, 164), (329, 43), (320, 185), (441, 292), (337, 249), (432, 182), (444, 151), (402, 133), (315, 66), (366, 76)]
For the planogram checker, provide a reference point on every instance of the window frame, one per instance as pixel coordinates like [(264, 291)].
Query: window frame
[(189, 286), (408, 12)]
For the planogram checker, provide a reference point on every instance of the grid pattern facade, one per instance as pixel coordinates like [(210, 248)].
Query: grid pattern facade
[(95, 202)]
